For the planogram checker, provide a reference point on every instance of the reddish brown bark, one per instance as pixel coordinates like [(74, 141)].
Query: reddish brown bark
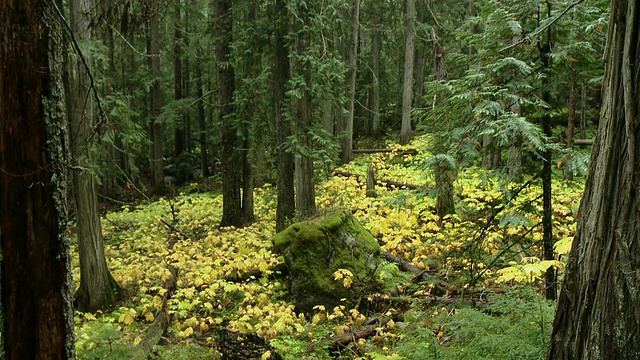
[(35, 278)]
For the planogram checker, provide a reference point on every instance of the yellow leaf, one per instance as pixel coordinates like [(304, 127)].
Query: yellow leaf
[(128, 318), (149, 317), (266, 355)]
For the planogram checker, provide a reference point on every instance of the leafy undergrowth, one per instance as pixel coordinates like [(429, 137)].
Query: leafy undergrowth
[(227, 278)]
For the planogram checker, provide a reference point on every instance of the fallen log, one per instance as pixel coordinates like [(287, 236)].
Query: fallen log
[(440, 287), (161, 323), (389, 184), (583, 142), (367, 329), (163, 319), (385, 150)]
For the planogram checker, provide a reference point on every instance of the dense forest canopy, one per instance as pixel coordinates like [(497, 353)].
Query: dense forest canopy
[(458, 133)]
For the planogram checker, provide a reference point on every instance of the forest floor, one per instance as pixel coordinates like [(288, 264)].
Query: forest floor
[(225, 292)]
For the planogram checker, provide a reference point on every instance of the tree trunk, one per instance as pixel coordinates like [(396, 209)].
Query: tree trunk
[(346, 135), (178, 133), (230, 155), (598, 314), (248, 159), (376, 42), (98, 290), (571, 125), (407, 85), (444, 174), (251, 67), (490, 154), (420, 54), (285, 164), (202, 124), (545, 46), (156, 128), (305, 190), (36, 306)]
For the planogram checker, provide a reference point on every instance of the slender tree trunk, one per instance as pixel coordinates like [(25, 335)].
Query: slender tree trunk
[(110, 152), (285, 210), (36, 310), (248, 172), (186, 83), (407, 85), (571, 126), (444, 174), (346, 137), (598, 316), (376, 42), (249, 131), (305, 190), (420, 54), (202, 124), (327, 113), (545, 47), (514, 161), (98, 290), (178, 133), (230, 155), (491, 157), (157, 138)]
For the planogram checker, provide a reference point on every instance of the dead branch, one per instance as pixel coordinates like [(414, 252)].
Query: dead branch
[(175, 229)]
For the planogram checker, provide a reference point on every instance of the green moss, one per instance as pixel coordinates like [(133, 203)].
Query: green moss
[(314, 250)]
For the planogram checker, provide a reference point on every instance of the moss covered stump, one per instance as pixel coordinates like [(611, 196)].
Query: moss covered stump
[(313, 250)]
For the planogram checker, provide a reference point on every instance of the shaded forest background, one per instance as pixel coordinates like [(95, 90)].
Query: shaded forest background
[(458, 133)]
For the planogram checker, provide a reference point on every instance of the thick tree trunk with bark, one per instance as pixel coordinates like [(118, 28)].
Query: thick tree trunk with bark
[(407, 85), (98, 290), (230, 155), (36, 305), (598, 314)]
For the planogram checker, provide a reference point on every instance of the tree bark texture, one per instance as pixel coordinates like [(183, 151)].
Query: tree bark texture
[(35, 272), (407, 85), (230, 153), (598, 314), (98, 290), (286, 207)]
